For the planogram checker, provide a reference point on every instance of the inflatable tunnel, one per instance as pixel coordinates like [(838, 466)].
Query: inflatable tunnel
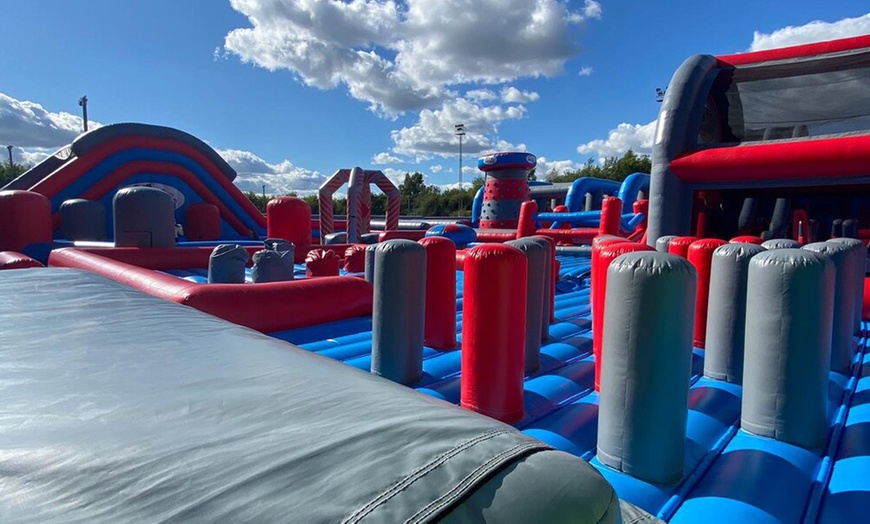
[(101, 162)]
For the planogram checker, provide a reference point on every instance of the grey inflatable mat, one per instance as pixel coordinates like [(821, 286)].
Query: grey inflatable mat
[(120, 407)]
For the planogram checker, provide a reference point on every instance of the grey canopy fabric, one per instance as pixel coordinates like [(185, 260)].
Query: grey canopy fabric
[(120, 407)]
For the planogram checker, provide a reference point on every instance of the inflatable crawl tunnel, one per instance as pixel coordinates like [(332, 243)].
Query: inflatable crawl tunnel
[(101, 162)]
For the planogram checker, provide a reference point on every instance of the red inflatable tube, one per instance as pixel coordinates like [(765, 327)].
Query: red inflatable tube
[(570, 236), (526, 225), (606, 255), (322, 263), (162, 259), (202, 221), (493, 331), (701, 256), (747, 239), (611, 216), (14, 260), (288, 218), (787, 53), (407, 235), (680, 246), (599, 243), (439, 330), (460, 259), (495, 236), (269, 307)]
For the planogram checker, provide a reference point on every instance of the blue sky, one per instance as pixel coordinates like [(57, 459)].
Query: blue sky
[(289, 91)]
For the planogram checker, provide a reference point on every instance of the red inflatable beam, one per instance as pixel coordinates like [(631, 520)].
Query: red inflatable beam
[(69, 173), (787, 53), (606, 255), (494, 331), (407, 235), (747, 239), (495, 236), (577, 235), (162, 259), (701, 256), (680, 246), (439, 330), (14, 260), (268, 307)]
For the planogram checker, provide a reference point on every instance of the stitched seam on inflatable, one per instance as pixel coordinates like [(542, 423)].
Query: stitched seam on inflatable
[(391, 491), (480, 471)]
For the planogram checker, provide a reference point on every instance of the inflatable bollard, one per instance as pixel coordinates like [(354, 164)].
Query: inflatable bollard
[(355, 258), (845, 295), (537, 292), (82, 219), (370, 263), (780, 243), (662, 243), (837, 228), (850, 228), (700, 255), (547, 311), (440, 324), (789, 311), (202, 221), (611, 216), (322, 263), (599, 243), (272, 266), (226, 265), (747, 239), (526, 224), (279, 244), (606, 255), (644, 399), (290, 218), (859, 250), (335, 238), (398, 311), (726, 316), (144, 217), (493, 331), (680, 246), (25, 219)]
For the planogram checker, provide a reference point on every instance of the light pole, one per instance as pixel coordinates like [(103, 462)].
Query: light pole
[(83, 101), (459, 130), (10, 154)]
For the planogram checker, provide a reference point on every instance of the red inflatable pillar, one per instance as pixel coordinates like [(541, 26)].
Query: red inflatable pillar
[(680, 246), (701, 256), (493, 331), (202, 221), (747, 239), (25, 219), (526, 226), (641, 206), (599, 243), (355, 258), (611, 216), (322, 263), (439, 330), (606, 255), (289, 218)]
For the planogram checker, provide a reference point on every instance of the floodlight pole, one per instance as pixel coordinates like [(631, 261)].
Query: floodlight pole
[(10, 154), (459, 129), (83, 101)]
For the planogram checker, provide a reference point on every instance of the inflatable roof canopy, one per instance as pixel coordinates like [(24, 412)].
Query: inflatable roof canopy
[(783, 123), (99, 163)]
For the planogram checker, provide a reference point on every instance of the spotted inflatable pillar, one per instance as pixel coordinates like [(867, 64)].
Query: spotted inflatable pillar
[(505, 189)]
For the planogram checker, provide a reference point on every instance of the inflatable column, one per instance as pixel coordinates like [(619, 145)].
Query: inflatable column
[(859, 253), (547, 311), (202, 221), (398, 311), (440, 326), (663, 242), (789, 312), (82, 219), (845, 295), (537, 287), (144, 217), (643, 406), (726, 315), (780, 243), (290, 218), (700, 254), (680, 246), (226, 265), (25, 219), (370, 263), (505, 189), (272, 266)]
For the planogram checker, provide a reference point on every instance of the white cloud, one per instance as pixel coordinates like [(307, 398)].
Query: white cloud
[(815, 31), (283, 177), (545, 167), (436, 168), (29, 125), (481, 95), (512, 95), (403, 56), (585, 71), (637, 137), (385, 158)]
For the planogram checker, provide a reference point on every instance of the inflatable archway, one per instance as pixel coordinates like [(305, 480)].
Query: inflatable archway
[(359, 201)]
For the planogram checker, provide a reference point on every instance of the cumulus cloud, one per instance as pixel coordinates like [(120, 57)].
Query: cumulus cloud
[(29, 125), (585, 71), (283, 177), (513, 95), (546, 167), (637, 137), (437, 168), (385, 158), (481, 95), (815, 31), (403, 56)]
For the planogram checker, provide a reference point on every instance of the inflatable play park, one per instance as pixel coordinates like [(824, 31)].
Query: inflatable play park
[(685, 346)]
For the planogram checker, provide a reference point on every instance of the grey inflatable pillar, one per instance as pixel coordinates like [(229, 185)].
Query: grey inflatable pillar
[(647, 356), (780, 243), (850, 228), (370, 264), (144, 217), (726, 314), (588, 202), (335, 238), (280, 245), (844, 302), (662, 243), (272, 266), (369, 238), (859, 250), (789, 310), (548, 275), (536, 287), (226, 265), (82, 219), (398, 311)]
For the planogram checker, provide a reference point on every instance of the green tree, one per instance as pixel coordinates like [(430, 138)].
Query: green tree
[(413, 186), (532, 175), (613, 168), (9, 172)]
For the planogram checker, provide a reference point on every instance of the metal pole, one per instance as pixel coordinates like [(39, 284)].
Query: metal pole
[(83, 101), (10, 155), (460, 132)]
